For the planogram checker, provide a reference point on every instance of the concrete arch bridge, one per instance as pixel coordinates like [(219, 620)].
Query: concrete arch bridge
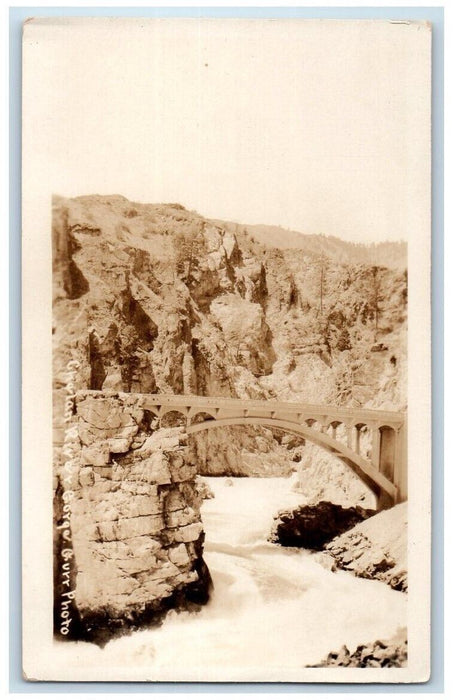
[(382, 464)]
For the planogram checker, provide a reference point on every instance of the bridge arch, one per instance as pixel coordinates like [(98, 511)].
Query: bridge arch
[(170, 417), (312, 421), (379, 483), (201, 416)]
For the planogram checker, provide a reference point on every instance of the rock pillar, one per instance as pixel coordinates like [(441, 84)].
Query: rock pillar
[(136, 531)]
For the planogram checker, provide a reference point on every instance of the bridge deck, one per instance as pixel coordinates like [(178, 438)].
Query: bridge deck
[(271, 405)]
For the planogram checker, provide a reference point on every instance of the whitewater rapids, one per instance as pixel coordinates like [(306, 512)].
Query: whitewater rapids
[(273, 610)]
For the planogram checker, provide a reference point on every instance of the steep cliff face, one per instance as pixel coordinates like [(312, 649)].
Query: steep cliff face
[(130, 533), (154, 298)]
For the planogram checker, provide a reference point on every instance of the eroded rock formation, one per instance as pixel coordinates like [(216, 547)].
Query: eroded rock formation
[(312, 526), (136, 532)]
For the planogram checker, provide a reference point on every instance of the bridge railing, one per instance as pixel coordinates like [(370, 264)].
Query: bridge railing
[(191, 400)]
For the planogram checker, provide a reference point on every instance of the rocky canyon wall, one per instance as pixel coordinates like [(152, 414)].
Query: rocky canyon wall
[(156, 298), (136, 539)]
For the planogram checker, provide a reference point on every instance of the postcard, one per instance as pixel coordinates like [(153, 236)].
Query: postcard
[(226, 350)]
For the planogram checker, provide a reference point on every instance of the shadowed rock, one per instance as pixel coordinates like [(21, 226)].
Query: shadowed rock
[(391, 653), (313, 526)]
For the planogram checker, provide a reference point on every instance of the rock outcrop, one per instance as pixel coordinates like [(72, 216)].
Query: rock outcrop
[(388, 653), (321, 478), (312, 526), (376, 548), (368, 544), (136, 533), (245, 452)]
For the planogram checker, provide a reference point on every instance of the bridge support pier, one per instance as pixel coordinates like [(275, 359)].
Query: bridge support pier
[(375, 446), (384, 501), (350, 435)]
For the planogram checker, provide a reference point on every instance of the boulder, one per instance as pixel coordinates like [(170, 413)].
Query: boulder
[(390, 653), (312, 526)]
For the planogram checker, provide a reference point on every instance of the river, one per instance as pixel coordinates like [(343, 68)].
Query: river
[(273, 610)]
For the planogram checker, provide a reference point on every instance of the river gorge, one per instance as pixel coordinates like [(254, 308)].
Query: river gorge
[(154, 299), (272, 608)]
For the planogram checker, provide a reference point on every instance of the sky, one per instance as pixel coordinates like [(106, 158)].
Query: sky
[(321, 127)]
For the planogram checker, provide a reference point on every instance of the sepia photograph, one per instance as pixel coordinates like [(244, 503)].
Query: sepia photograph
[(226, 350)]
